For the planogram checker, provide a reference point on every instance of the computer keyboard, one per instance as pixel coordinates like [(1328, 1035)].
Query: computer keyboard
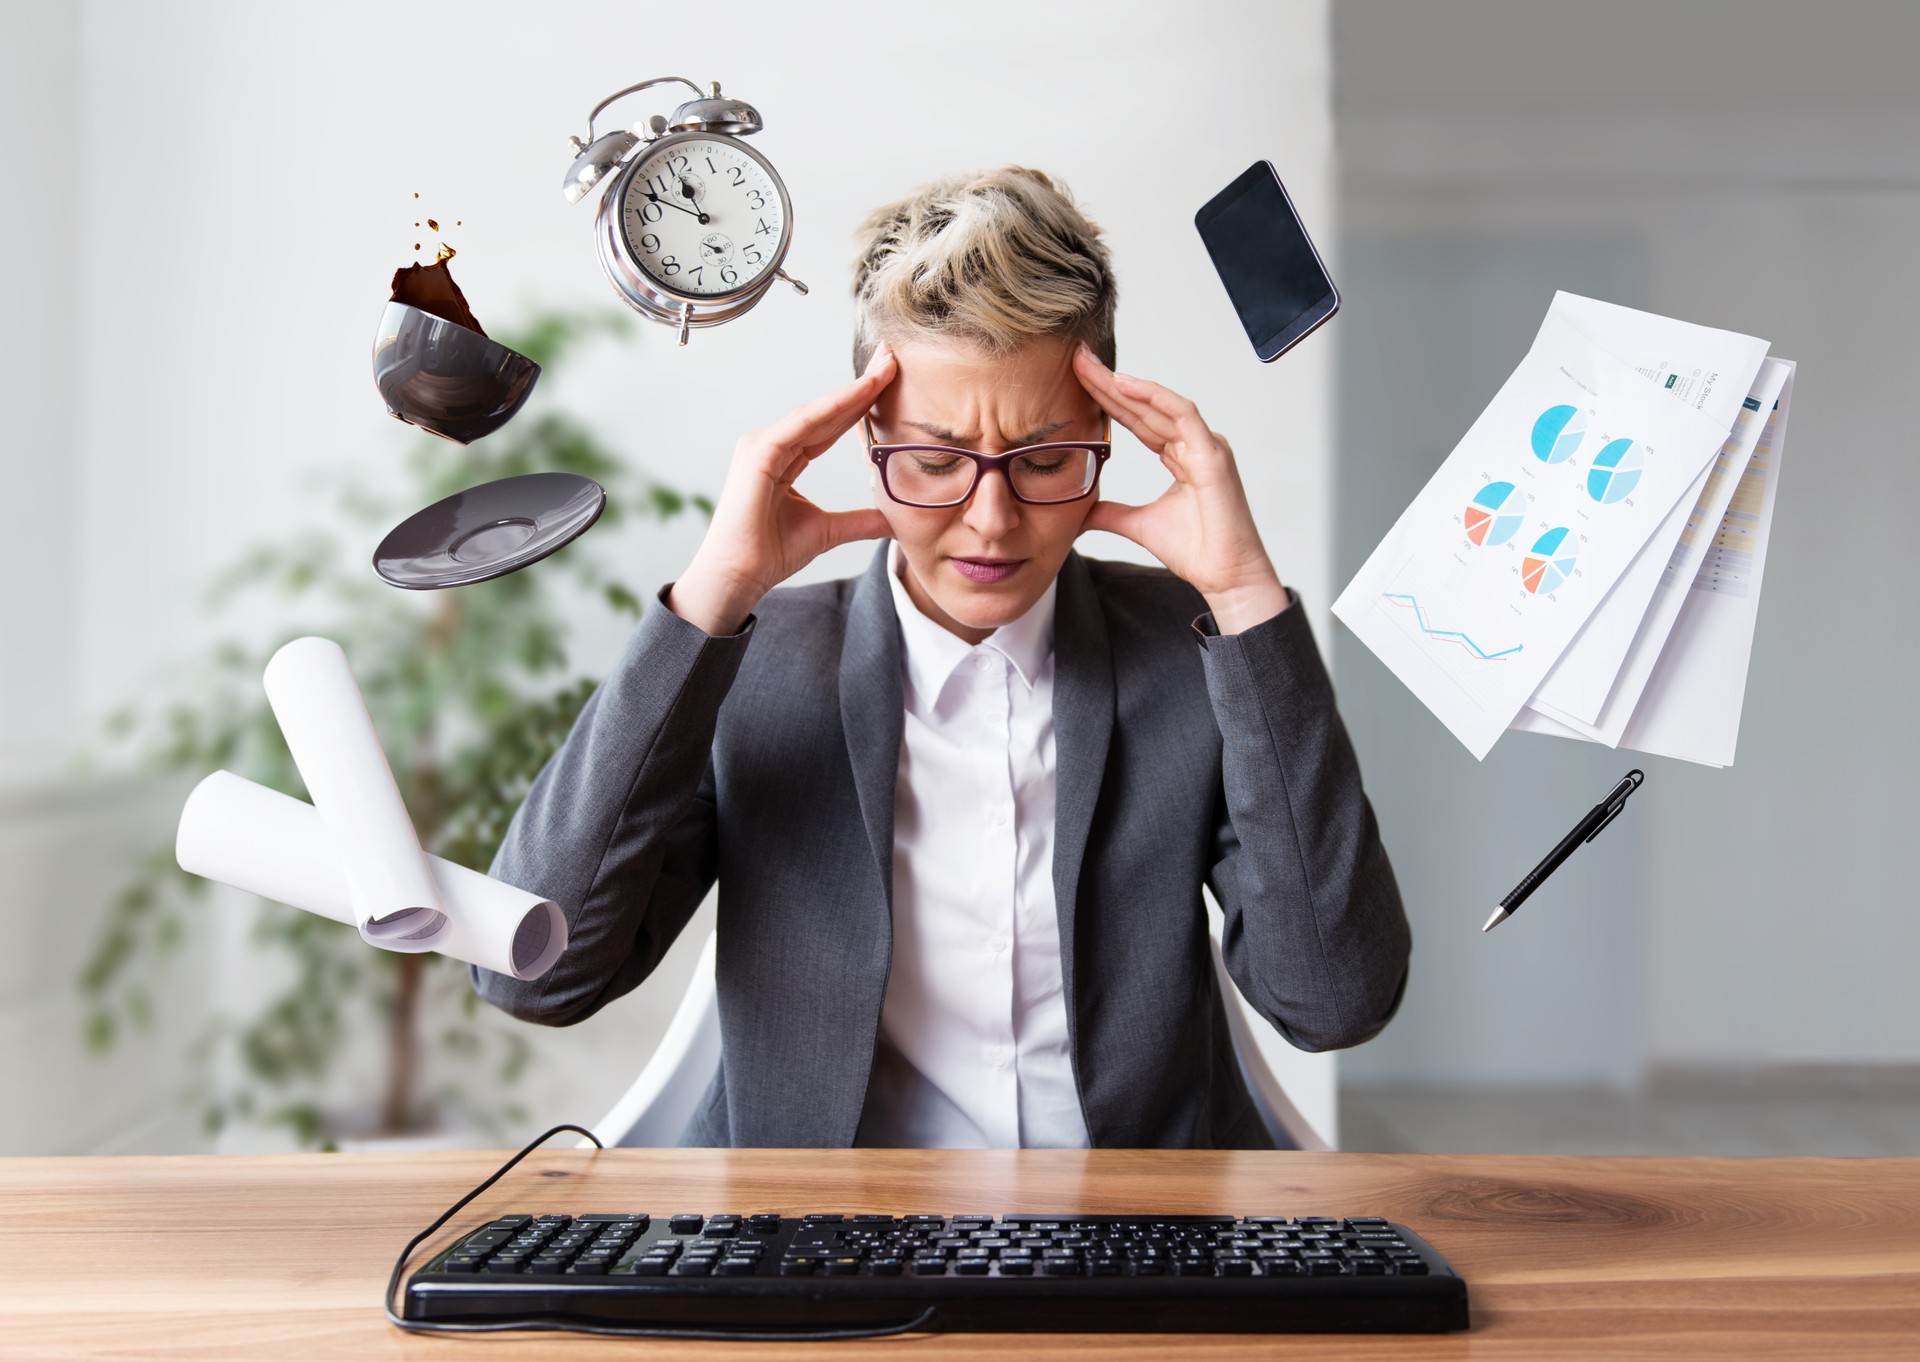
[(1041, 1273)]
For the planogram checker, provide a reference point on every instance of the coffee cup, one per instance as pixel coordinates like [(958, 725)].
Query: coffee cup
[(446, 378)]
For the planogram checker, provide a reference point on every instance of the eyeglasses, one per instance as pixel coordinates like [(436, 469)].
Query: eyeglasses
[(941, 475)]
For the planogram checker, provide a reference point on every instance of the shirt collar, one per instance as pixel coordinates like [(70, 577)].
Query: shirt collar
[(931, 653)]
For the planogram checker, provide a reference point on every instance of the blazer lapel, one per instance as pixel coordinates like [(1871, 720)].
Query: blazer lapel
[(872, 712), (1083, 699)]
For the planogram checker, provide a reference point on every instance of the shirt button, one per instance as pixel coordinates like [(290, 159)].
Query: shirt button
[(999, 818), (997, 1056), (996, 944), (982, 662)]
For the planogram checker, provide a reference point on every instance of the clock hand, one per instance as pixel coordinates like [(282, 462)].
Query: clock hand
[(669, 203), (686, 192)]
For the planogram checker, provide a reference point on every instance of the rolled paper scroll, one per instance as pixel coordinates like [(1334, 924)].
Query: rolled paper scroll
[(243, 834), (325, 721)]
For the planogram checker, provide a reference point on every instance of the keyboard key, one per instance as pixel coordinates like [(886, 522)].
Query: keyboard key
[(651, 1267), (587, 1270), (735, 1267), (803, 1268), (1015, 1267), (973, 1267), (764, 1221), (686, 1223)]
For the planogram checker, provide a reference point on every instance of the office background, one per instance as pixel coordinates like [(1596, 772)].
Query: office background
[(210, 197)]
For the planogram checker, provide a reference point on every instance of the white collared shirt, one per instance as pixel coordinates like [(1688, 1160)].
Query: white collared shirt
[(973, 1050)]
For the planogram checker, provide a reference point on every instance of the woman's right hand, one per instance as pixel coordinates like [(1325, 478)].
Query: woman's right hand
[(763, 531)]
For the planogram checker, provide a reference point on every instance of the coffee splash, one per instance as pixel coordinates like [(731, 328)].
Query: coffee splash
[(431, 289)]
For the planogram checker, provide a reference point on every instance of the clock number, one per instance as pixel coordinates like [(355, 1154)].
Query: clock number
[(681, 168), (649, 243), (651, 211), (753, 255), (696, 272), (763, 229), (669, 264), (757, 200), (739, 176), (727, 276), (660, 184), (710, 169)]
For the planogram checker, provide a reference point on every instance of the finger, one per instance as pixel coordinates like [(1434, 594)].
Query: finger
[(843, 527), (1116, 517), (1135, 413), (1169, 405), (816, 425)]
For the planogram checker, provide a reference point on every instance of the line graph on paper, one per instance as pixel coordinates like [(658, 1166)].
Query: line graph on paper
[(1454, 638)]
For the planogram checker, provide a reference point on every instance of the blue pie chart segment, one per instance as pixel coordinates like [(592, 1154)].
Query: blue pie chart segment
[(1616, 472), (1494, 515), (1557, 433), (1548, 563)]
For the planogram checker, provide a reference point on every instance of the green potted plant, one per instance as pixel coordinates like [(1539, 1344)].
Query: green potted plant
[(471, 691)]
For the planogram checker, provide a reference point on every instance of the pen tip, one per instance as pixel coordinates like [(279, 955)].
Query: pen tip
[(1500, 915)]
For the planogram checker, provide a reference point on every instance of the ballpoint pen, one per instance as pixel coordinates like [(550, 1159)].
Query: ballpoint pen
[(1586, 830)]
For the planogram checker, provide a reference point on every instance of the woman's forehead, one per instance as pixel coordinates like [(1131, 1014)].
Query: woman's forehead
[(960, 394)]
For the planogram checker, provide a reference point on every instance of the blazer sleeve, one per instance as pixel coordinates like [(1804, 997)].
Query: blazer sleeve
[(1315, 934), (618, 828)]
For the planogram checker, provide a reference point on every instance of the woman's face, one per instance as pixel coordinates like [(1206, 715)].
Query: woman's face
[(983, 563)]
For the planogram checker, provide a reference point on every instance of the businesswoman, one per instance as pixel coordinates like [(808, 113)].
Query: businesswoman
[(961, 807)]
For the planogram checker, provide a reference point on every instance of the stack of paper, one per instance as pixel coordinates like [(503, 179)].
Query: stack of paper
[(1587, 561)]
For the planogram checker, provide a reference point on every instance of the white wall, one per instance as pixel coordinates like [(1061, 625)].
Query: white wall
[(1752, 166), (238, 185)]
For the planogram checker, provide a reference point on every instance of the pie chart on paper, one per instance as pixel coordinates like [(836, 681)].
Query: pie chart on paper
[(1494, 515), (1557, 432), (1616, 472), (1548, 563)]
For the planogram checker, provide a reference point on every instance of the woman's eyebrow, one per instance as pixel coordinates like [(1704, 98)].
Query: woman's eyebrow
[(949, 437)]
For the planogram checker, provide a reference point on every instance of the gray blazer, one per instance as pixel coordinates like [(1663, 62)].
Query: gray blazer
[(768, 759)]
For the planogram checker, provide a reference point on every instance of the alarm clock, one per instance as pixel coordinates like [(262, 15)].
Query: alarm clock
[(694, 224)]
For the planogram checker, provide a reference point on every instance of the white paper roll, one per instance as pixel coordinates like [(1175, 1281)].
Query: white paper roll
[(263, 842), (325, 721)]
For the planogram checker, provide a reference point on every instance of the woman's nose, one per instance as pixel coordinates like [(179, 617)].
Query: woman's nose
[(994, 511)]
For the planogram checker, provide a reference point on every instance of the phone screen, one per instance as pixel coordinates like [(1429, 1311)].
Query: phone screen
[(1266, 260)]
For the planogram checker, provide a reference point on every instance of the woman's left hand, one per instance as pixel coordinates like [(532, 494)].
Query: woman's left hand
[(1201, 527)]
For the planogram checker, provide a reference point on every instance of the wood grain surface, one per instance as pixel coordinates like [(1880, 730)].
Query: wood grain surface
[(284, 1257)]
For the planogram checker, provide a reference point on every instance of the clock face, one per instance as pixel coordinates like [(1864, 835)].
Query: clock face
[(703, 217)]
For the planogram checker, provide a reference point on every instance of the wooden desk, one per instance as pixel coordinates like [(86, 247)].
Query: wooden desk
[(285, 1256)]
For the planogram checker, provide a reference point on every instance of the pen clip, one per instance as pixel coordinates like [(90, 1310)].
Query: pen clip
[(1616, 799), (1612, 814)]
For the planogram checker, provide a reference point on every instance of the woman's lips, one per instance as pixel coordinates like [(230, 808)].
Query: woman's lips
[(987, 569)]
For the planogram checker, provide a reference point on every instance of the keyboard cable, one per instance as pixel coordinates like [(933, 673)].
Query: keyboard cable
[(559, 1324)]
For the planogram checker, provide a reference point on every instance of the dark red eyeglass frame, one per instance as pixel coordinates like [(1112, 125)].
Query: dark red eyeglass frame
[(1102, 451)]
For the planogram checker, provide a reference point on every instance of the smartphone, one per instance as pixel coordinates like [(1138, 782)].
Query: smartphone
[(1274, 276)]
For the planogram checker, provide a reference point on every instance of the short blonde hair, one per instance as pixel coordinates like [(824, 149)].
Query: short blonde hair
[(994, 258)]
